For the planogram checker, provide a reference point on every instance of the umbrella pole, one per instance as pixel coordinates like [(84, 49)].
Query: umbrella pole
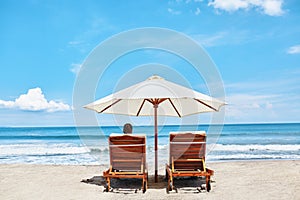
[(155, 140)]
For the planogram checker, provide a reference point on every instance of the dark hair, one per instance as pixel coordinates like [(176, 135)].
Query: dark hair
[(127, 128)]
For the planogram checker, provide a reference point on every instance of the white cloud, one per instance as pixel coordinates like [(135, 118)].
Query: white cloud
[(294, 50), (174, 12), (283, 82), (228, 37), (272, 7), (35, 100), (274, 98), (210, 40), (269, 7), (249, 107), (7, 104), (229, 5), (197, 12), (75, 68)]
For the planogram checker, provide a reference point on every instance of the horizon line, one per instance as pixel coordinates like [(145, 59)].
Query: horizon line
[(205, 124)]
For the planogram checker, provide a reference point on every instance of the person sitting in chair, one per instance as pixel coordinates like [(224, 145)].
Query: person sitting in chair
[(127, 128)]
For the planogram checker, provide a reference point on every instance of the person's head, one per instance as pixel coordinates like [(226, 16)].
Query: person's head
[(127, 128)]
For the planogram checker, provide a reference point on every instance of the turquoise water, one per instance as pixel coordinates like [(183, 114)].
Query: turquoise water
[(88, 145)]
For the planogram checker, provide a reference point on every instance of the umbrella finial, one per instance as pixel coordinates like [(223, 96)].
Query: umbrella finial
[(155, 77)]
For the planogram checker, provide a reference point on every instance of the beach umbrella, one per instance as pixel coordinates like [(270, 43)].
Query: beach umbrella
[(153, 97)]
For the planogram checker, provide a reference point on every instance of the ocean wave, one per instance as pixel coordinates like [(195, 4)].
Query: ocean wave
[(96, 150), (254, 147), (50, 137), (41, 149), (241, 156)]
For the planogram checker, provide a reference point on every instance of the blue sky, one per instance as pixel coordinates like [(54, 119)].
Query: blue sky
[(255, 45)]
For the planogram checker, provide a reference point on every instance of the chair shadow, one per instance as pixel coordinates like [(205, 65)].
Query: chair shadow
[(126, 186), (132, 186), (190, 184), (96, 180)]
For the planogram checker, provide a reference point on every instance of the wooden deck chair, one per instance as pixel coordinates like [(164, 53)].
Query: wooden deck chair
[(187, 158), (127, 159)]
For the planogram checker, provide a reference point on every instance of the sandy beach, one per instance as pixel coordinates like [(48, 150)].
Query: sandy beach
[(232, 180)]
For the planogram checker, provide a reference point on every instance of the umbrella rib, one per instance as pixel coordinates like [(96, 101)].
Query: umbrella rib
[(206, 104), (161, 100), (141, 107), (174, 108), (107, 107), (156, 101)]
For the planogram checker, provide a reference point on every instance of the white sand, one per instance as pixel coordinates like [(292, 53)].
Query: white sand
[(232, 180)]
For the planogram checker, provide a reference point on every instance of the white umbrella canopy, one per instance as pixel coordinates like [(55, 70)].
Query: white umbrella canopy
[(173, 100), (156, 96)]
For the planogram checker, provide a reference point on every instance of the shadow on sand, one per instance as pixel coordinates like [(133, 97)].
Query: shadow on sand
[(131, 186)]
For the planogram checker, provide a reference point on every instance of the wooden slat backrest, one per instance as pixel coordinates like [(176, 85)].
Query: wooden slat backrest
[(127, 152), (187, 149)]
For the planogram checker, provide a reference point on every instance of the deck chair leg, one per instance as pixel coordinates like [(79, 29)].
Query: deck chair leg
[(168, 186), (167, 175), (107, 184), (169, 178), (144, 186), (208, 186), (173, 186)]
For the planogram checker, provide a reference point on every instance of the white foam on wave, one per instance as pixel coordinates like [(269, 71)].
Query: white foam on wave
[(74, 159), (53, 154), (241, 156), (270, 147), (72, 154), (41, 149)]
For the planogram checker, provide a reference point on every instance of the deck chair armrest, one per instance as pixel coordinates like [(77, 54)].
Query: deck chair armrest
[(107, 171), (210, 171)]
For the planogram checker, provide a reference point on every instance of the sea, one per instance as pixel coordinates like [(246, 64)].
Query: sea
[(89, 145)]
